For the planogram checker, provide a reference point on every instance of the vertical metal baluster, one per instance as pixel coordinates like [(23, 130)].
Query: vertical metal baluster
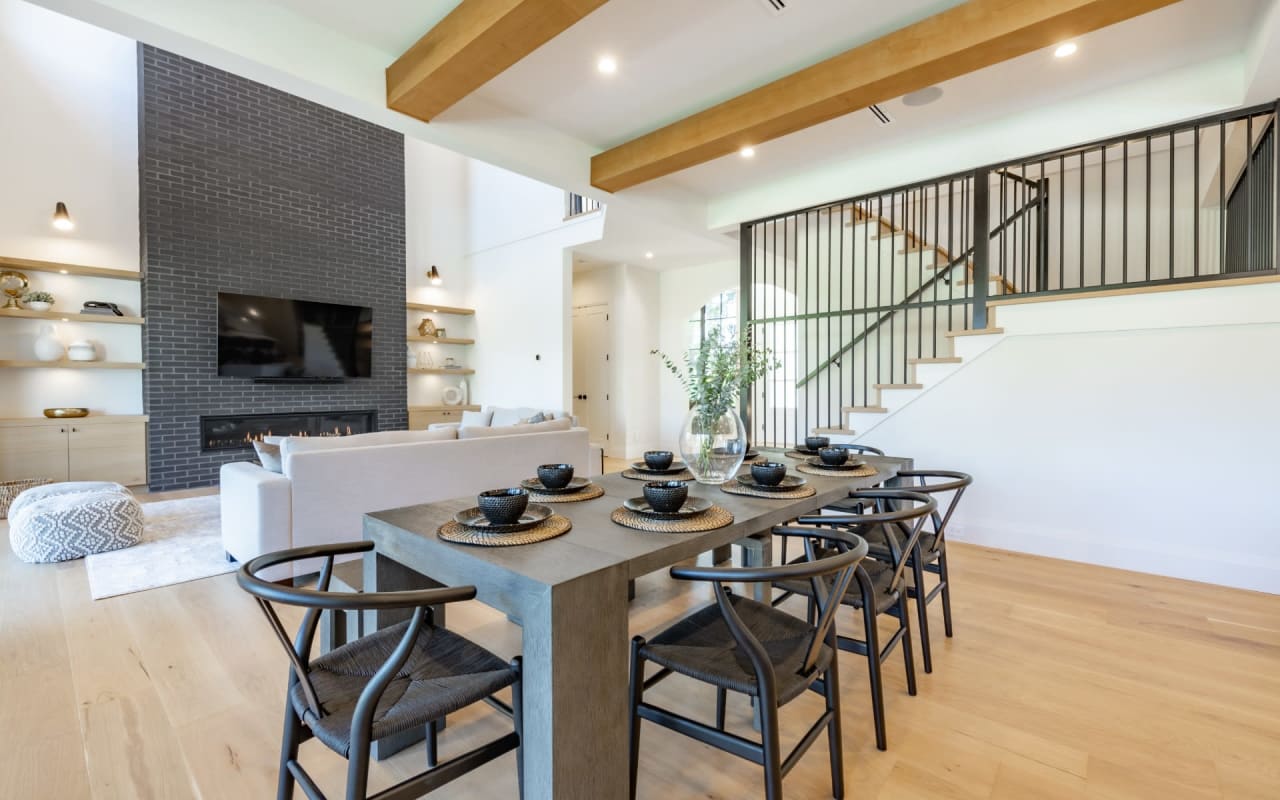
[(1148, 174), (1080, 254), (1247, 186), (1172, 196), (1102, 214), (1222, 197), (1003, 215), (834, 367), (1124, 223), (1195, 200), (1062, 222)]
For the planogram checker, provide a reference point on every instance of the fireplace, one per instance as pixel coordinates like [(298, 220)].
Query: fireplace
[(240, 431)]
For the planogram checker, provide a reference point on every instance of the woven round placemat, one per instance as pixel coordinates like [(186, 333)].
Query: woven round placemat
[(553, 526), (798, 493), (712, 518), (861, 472), (589, 492), (797, 455), (684, 475)]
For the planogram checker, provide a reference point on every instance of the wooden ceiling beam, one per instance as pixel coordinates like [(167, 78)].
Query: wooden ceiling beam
[(477, 41), (957, 41)]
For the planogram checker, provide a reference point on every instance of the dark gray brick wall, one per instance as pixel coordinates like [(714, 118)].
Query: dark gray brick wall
[(248, 189)]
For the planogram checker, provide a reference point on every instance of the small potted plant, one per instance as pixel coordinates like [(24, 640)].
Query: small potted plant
[(38, 301)]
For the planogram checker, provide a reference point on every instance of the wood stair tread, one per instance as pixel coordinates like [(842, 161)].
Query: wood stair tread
[(840, 431), (899, 385), (865, 410), (936, 360), (980, 332)]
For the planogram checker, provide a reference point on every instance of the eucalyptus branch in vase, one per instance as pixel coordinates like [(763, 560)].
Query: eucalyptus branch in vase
[(714, 377)]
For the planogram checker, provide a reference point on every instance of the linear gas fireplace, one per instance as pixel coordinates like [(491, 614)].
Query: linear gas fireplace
[(238, 431)]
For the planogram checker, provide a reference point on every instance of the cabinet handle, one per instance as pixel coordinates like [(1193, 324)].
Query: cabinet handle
[(62, 430), (73, 430)]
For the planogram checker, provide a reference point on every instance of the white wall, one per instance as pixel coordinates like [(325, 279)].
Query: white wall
[(69, 134), (1134, 432)]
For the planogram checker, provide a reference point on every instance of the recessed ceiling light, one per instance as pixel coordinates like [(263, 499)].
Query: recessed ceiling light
[(1066, 49), (923, 97), (747, 151), (649, 254), (607, 65)]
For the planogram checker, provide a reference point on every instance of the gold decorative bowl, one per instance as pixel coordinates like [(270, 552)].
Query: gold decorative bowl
[(66, 413)]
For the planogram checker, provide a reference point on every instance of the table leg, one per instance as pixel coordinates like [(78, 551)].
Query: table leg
[(722, 554), (575, 690), (757, 551)]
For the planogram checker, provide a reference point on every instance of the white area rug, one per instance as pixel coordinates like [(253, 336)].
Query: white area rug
[(181, 541)]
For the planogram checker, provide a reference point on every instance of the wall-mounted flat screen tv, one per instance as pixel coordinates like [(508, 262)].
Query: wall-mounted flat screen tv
[(277, 339)]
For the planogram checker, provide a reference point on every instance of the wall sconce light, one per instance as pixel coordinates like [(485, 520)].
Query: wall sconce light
[(433, 275), (61, 219)]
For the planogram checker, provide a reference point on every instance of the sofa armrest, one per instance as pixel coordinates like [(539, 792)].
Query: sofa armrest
[(595, 460), (257, 514), (440, 426)]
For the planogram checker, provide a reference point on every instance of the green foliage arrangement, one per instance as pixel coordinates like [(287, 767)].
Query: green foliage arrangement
[(716, 373), (37, 297)]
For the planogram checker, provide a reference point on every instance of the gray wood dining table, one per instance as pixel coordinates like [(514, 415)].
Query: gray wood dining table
[(570, 596)]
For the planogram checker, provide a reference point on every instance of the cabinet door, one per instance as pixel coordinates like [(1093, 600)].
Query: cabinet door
[(108, 452), (36, 451), (419, 420)]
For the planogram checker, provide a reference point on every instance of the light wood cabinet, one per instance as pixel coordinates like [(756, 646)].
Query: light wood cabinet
[(422, 416), (88, 449)]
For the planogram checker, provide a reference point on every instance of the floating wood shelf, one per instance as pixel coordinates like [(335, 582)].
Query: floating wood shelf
[(92, 419), (440, 371), (444, 408), (439, 340), (29, 265), (65, 364), (74, 316), (435, 309)]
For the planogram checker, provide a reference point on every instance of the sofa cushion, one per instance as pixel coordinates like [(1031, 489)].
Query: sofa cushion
[(307, 444), (503, 417), (477, 419), (541, 416), (516, 430)]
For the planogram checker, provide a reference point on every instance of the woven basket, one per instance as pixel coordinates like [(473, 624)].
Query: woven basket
[(9, 491)]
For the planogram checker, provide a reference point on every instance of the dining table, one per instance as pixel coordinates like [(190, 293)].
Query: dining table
[(570, 596)]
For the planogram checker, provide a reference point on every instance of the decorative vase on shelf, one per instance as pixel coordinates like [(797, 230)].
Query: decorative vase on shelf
[(38, 305), (411, 358), (466, 391), (47, 346), (713, 445), (82, 350)]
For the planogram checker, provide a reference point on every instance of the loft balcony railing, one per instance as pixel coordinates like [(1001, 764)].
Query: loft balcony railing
[(576, 205), (851, 294)]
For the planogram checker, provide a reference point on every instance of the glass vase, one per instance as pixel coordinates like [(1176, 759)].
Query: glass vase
[(713, 447)]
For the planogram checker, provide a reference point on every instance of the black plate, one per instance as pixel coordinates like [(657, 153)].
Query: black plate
[(575, 485), (474, 519), (676, 466), (848, 466), (788, 483), (806, 451), (692, 507)]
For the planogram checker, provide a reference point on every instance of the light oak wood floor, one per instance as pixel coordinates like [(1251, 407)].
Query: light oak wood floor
[(1063, 681)]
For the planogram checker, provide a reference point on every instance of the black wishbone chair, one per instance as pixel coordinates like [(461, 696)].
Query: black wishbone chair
[(405, 676), (740, 645), (930, 554), (880, 584)]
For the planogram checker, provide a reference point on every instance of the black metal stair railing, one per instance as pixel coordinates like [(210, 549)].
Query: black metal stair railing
[(851, 295)]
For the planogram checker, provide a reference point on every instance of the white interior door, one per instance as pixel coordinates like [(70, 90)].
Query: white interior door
[(591, 373)]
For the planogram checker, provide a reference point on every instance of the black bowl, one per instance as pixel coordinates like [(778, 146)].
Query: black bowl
[(659, 459), (666, 496), (768, 473), (503, 506), (555, 476), (816, 442), (835, 456)]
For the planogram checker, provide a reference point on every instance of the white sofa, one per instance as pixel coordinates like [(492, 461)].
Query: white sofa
[(327, 485), (494, 417)]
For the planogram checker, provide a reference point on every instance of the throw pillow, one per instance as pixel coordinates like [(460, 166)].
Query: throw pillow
[(269, 456), (536, 418), (511, 416), (477, 419)]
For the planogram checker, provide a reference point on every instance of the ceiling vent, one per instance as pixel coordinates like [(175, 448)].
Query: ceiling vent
[(775, 7), (880, 114)]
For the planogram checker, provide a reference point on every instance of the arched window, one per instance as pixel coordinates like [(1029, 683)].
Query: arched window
[(721, 314)]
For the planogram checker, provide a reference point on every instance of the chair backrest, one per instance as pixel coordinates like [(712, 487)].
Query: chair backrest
[(832, 556), (321, 599), (904, 510), (946, 481)]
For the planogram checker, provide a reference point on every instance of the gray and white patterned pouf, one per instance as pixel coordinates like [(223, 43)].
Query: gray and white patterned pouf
[(36, 493), (60, 527)]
